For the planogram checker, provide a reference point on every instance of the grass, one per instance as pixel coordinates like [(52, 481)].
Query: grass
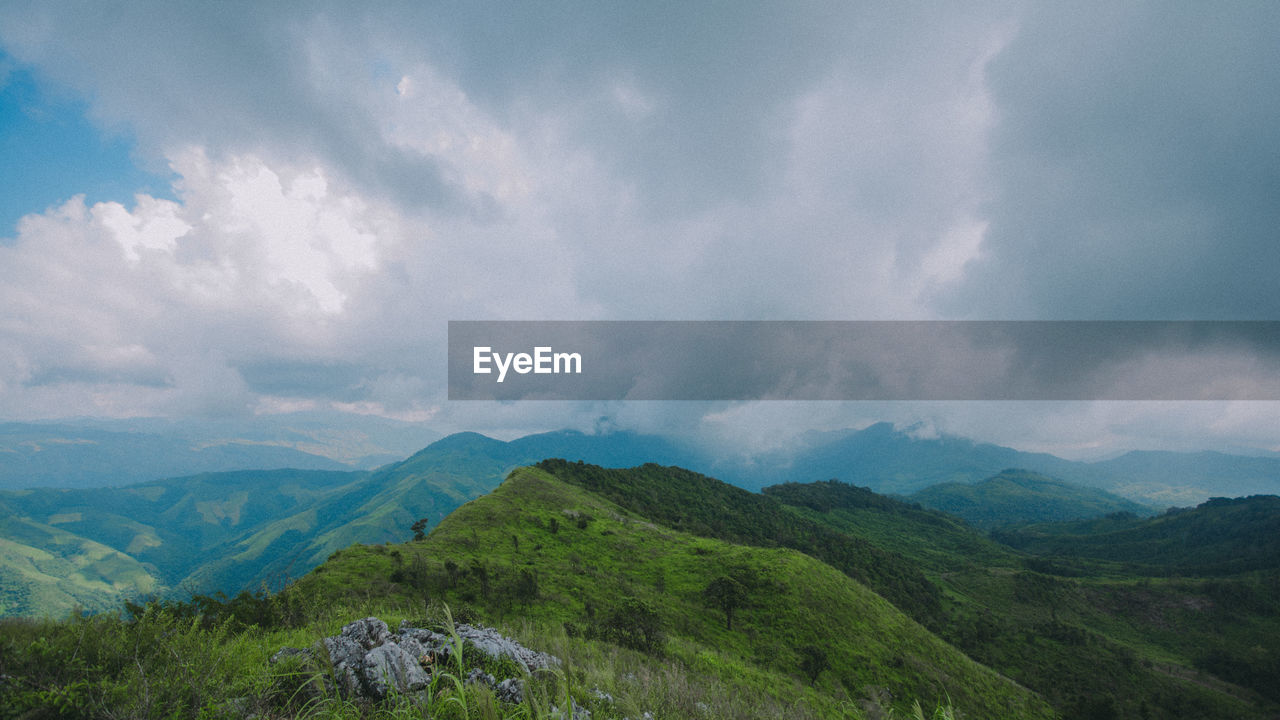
[(164, 664)]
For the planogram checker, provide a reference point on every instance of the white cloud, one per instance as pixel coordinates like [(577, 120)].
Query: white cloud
[(170, 295), (349, 181)]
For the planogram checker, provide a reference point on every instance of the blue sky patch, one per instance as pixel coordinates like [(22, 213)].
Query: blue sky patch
[(50, 151)]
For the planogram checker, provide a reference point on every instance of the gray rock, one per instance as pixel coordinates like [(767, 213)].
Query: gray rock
[(510, 690), (478, 675), (369, 632), (368, 661), (390, 668), (495, 645), (286, 653), (602, 695), (575, 712), (347, 658)]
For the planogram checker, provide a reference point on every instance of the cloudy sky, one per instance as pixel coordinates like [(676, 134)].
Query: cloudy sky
[(221, 209)]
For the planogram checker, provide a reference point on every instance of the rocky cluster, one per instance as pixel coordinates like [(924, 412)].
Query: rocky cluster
[(369, 661)]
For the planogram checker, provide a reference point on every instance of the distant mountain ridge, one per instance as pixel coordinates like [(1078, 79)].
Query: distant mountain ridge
[(1018, 497), (66, 456), (880, 456), (94, 547), (894, 461)]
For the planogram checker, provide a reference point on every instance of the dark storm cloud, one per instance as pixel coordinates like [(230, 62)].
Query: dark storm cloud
[(1136, 165)]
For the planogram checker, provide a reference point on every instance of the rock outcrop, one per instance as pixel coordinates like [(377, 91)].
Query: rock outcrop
[(368, 661)]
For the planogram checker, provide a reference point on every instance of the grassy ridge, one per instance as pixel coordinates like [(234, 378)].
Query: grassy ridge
[(1100, 643), (602, 571), (694, 503)]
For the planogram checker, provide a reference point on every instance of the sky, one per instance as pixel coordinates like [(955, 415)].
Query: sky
[(242, 209)]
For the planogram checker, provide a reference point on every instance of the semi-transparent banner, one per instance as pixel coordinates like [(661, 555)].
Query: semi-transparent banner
[(864, 360)]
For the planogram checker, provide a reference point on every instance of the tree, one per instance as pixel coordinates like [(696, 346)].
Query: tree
[(479, 572), (419, 529), (727, 595), (526, 587), (634, 624), (813, 660)]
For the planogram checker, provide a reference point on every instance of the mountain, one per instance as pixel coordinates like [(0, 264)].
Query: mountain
[(888, 461), (894, 461), (242, 530), (935, 541), (65, 456), (550, 551), (569, 543), (1094, 638), (1019, 497), (162, 533), (89, 453), (1168, 479), (667, 591), (169, 542), (1223, 536)]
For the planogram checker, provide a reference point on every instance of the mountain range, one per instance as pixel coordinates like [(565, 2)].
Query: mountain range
[(228, 531), (806, 599), (888, 460)]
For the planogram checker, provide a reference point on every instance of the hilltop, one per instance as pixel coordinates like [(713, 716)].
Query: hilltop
[(546, 550)]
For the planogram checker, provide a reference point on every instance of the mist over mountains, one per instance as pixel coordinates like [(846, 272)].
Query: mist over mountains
[(886, 459)]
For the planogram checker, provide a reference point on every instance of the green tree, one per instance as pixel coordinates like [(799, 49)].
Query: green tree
[(480, 573), (526, 586), (813, 660), (419, 529), (634, 624), (727, 595)]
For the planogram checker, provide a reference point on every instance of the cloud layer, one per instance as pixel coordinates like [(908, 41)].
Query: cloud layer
[(349, 181)]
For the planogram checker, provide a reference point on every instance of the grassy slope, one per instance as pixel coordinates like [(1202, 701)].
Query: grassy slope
[(937, 542), (707, 507), (1103, 637), (581, 572), (42, 566)]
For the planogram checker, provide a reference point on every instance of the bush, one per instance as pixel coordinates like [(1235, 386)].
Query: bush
[(634, 624)]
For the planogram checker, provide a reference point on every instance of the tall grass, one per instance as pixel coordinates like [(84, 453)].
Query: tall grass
[(165, 664)]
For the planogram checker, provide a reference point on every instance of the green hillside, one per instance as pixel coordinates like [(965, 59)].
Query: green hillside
[(669, 592), (935, 541), (222, 531), (43, 566), (1096, 643), (1019, 497), (548, 551), (1223, 536)]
